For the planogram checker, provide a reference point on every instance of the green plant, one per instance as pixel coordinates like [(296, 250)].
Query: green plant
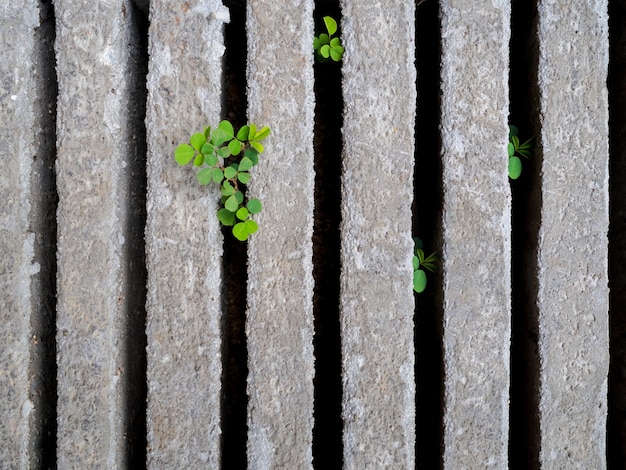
[(421, 261), (517, 150), (325, 45), (226, 158)]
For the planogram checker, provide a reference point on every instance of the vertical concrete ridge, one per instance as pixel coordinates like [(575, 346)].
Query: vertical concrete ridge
[(279, 322), (573, 244), (19, 115), (377, 303), (95, 80), (476, 232), (42, 369), (183, 238)]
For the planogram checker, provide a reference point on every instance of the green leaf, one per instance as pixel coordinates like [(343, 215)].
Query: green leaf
[(226, 217), (231, 203), (224, 152), (184, 153), (221, 135), (512, 130), (416, 263), (197, 141), (331, 25), (418, 244), (242, 230), (205, 176), (207, 148), (254, 206), (199, 160), (335, 42), (515, 141), (227, 127), (252, 132), (323, 39), (207, 132), (242, 213), (239, 197), (419, 281), (243, 133), (230, 172), (524, 153), (325, 51), (336, 53), (227, 189), (515, 168), (316, 43), (262, 133), (245, 164), (211, 159), (258, 146), (235, 147), (252, 154), (243, 177), (218, 175), (510, 149)]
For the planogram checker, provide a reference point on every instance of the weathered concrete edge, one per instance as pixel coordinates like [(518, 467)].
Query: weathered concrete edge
[(377, 302), (279, 322), (476, 232), (183, 238), (18, 142), (573, 243)]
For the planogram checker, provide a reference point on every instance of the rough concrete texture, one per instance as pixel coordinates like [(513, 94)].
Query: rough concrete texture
[(377, 303), (279, 324), (476, 232), (573, 284), (183, 238), (18, 21), (93, 46)]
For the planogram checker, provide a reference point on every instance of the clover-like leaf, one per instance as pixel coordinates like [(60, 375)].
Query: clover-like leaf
[(184, 153), (515, 168), (226, 217), (199, 160), (207, 148), (222, 134), (218, 175), (239, 197), (224, 152), (245, 164), (252, 154), (205, 176), (254, 206), (416, 263), (262, 133), (511, 149), (227, 189), (210, 159), (325, 51), (234, 146), (231, 203), (336, 53), (197, 141), (242, 213), (243, 133), (230, 172), (243, 177), (242, 230), (323, 39), (419, 281), (331, 25), (258, 146), (251, 131)]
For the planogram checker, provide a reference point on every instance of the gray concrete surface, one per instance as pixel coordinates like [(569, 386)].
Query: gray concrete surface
[(183, 238), (476, 232), (573, 283), (279, 323), (18, 147), (95, 151), (377, 303)]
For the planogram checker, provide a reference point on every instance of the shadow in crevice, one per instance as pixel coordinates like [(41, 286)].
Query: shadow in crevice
[(328, 145), (234, 399), (524, 430), (427, 226), (616, 425)]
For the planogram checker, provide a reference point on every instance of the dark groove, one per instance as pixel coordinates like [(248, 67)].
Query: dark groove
[(135, 272), (42, 370), (427, 211), (328, 148), (524, 431), (234, 399), (616, 426)]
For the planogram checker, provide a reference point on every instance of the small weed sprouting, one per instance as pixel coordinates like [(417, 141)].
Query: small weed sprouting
[(517, 150), (226, 159), (421, 261), (325, 45)]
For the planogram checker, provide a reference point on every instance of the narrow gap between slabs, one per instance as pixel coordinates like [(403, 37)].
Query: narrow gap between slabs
[(616, 425), (328, 147), (427, 207), (42, 369), (234, 400), (524, 437), (134, 259)]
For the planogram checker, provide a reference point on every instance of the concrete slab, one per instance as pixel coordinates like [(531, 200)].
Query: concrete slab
[(183, 238), (94, 153), (279, 324), (573, 247), (476, 258), (377, 303), (18, 147)]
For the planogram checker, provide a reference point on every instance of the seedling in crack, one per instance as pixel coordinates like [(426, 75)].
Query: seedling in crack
[(225, 158), (421, 261), (326, 46), (517, 150)]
